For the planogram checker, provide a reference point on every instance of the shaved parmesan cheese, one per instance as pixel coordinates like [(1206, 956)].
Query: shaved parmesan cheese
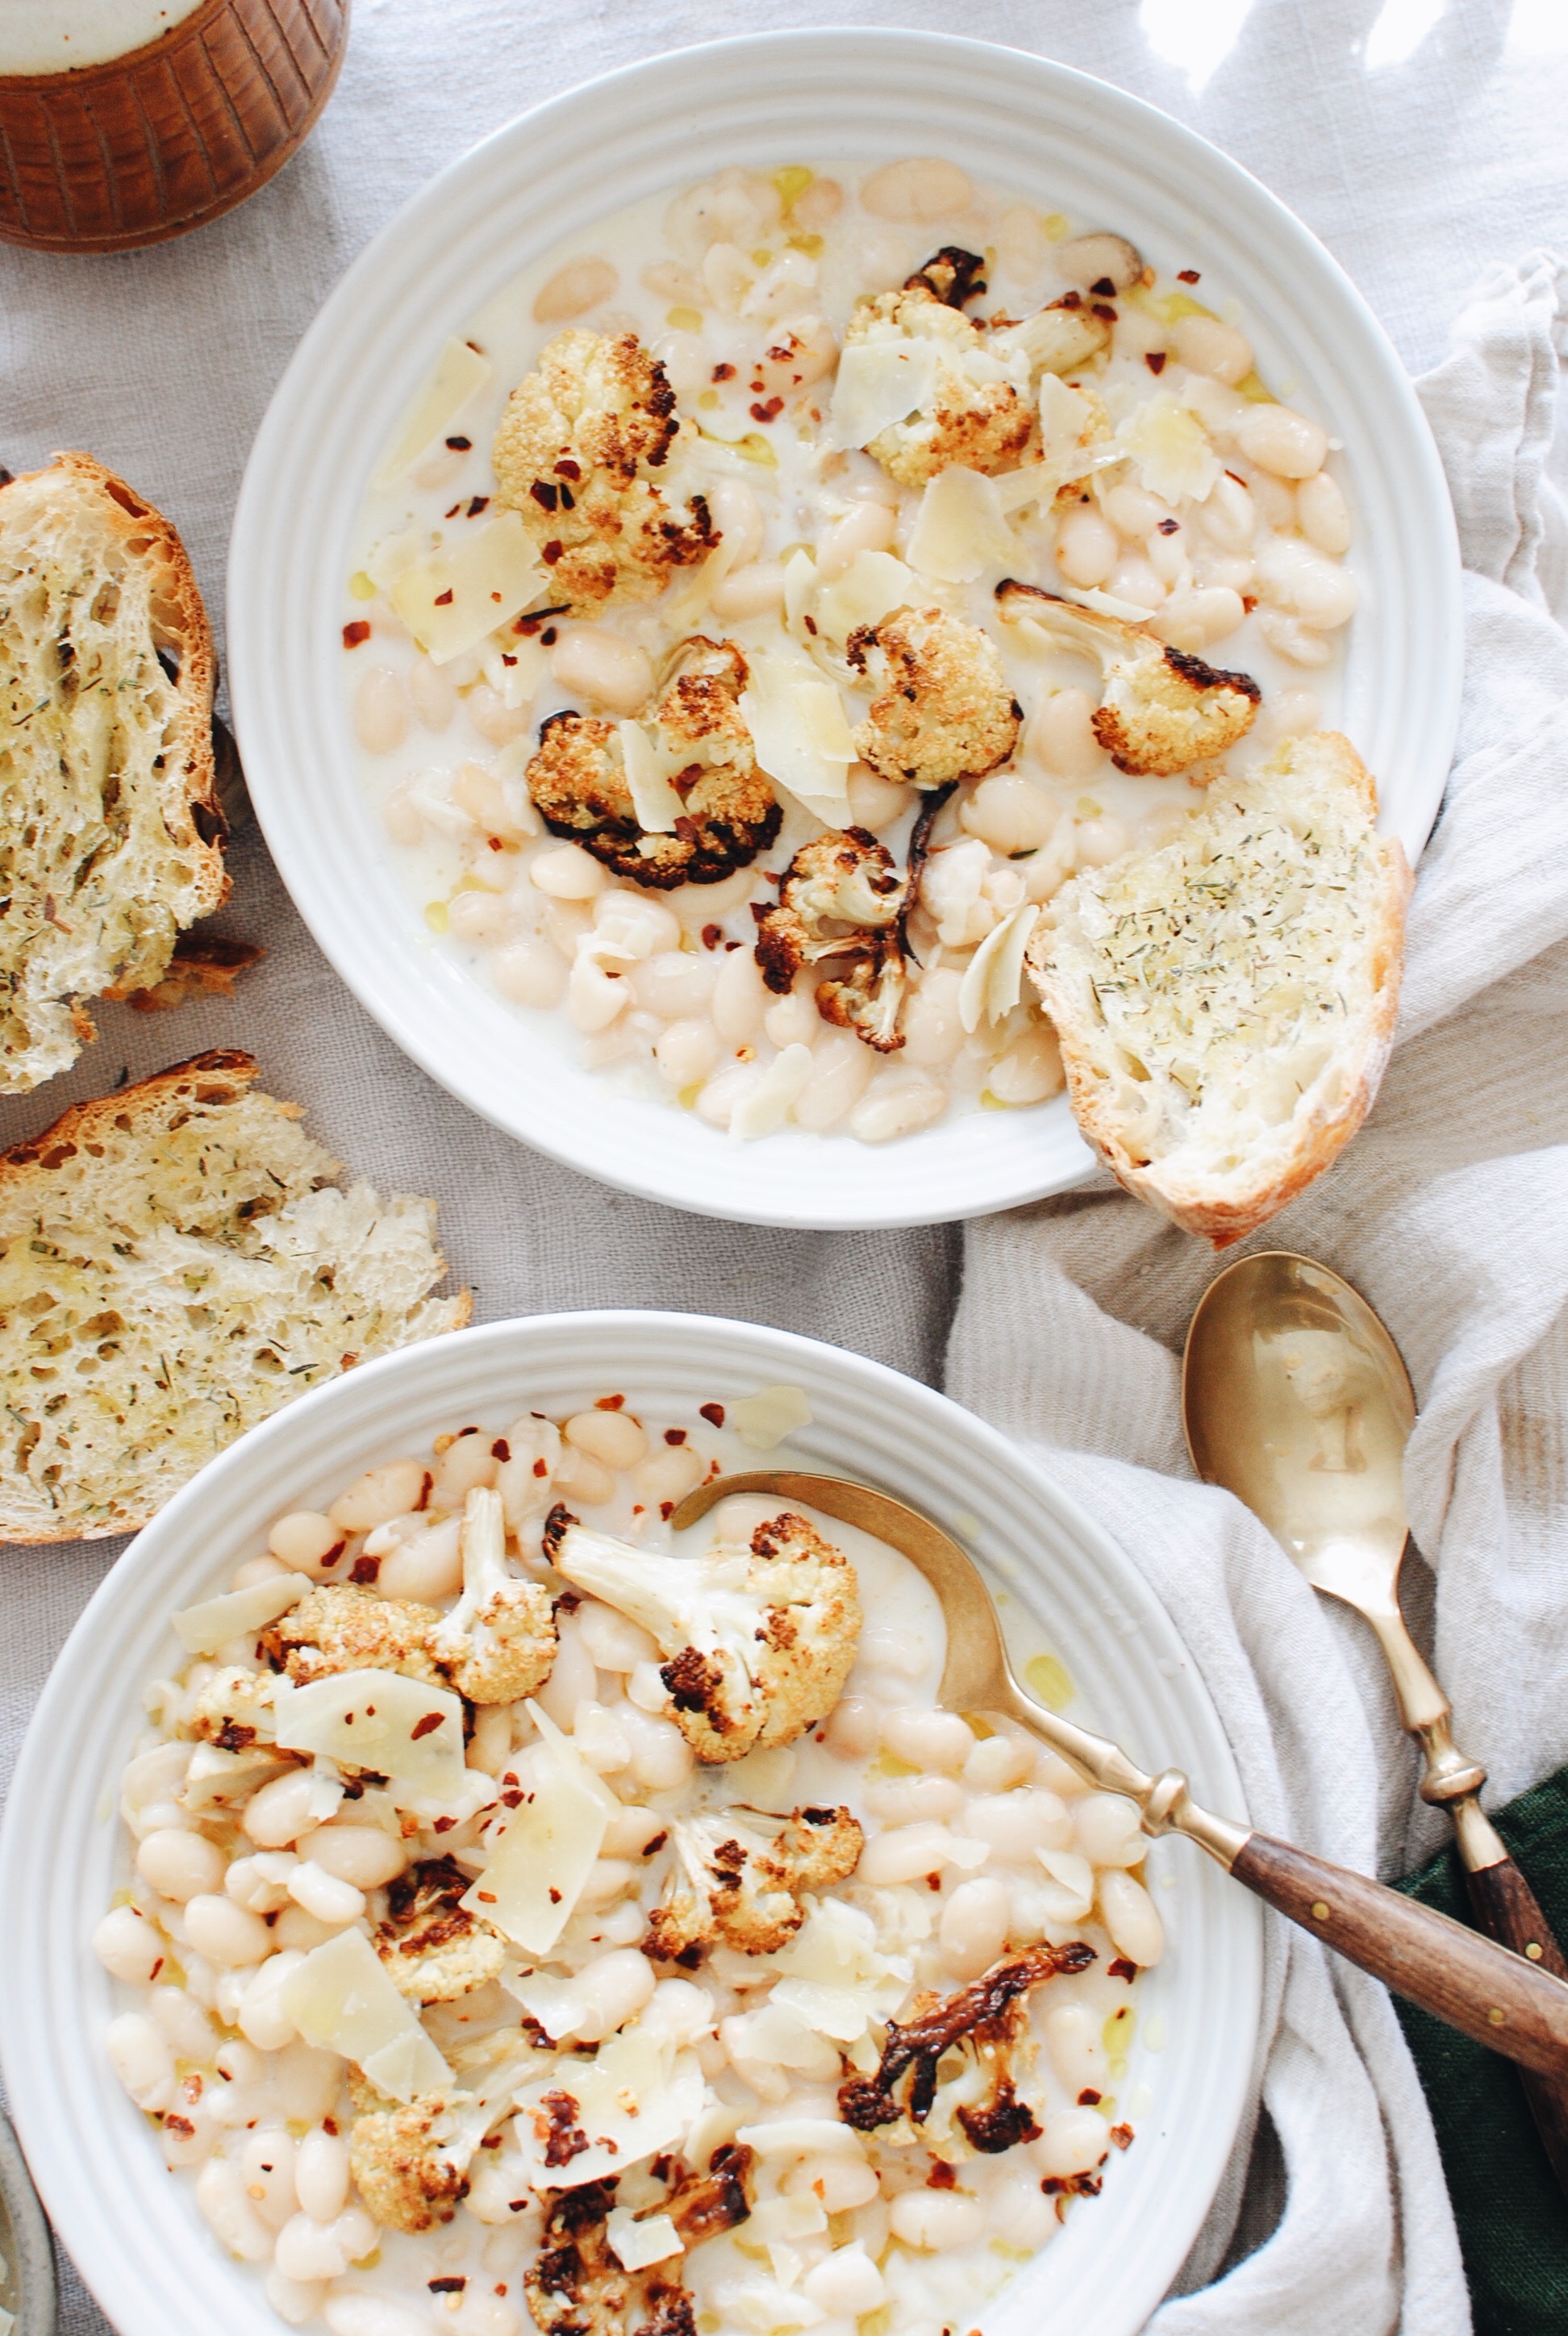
[(204, 1629), (393, 556), (769, 1103), (458, 376), (870, 588), (451, 600), (637, 2097), (765, 1418), (560, 2007), (635, 2244), (960, 530), (993, 980), (880, 383), (535, 1873), (409, 1731), (799, 579), (800, 734), (1171, 449), (341, 1998), (1065, 414), (836, 1978), (1074, 1880), (654, 799), (802, 2137)]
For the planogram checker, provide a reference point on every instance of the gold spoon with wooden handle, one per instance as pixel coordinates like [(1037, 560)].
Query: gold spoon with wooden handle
[(1296, 1399), (1498, 1997)]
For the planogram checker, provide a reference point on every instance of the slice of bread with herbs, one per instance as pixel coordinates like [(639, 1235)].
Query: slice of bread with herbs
[(178, 1261), (109, 832), (1225, 1005)]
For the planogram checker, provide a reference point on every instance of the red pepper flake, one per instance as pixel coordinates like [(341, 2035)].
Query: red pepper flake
[(444, 599), (511, 1799), (348, 1720), (452, 2286), (427, 1726), (1123, 1968), (485, 1897), (330, 2124), (333, 1554), (610, 1403), (933, 1880), (1249, 602), (501, 1449), (496, 843), (735, 945), (495, 596), (567, 469), (461, 446), (657, 1843), (552, 553), (713, 1413), (1088, 2098), (1103, 288), (768, 412), (1070, 300), (941, 2176), (711, 935), (443, 1824), (1154, 359), (453, 511), (555, 1897), (1170, 525), (811, 624), (1122, 2136), (549, 637), (544, 494), (507, 658), (501, 2283), (370, 1711), (724, 373), (1188, 276), (675, 1436), (542, 1467), (365, 1571), (477, 504), (355, 634), (1106, 315), (492, 2141), (666, 1510), (157, 1967)]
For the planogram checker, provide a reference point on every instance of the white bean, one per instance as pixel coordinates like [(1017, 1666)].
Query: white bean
[(234, 2221), (572, 1680), (295, 1928), (864, 527), (296, 2302), (306, 1543), (739, 999), (1029, 1070), (1229, 517), (793, 1021), (897, 1103), (669, 1475), (308, 2249), (914, 1800), (143, 2057), (1061, 735), (431, 694), (592, 662), (477, 918), (661, 1759), (1089, 259), (937, 2220), (1196, 617), (673, 982), (584, 1481), (847, 2285), (424, 1566), (904, 1853), (380, 711), (1074, 2142), (1275, 499), (1108, 1830), (261, 1883), (497, 723), (469, 1462), (630, 1829), (853, 1727), (305, 2082), (841, 1068), (1289, 637), (530, 972), (482, 2314), (1132, 1919), (180, 1864), (279, 1812), (973, 1930), (687, 1051), (1087, 547), (1017, 1823), (566, 872), (1078, 2052), (615, 1642), (1210, 346), (614, 1987), (1010, 814), (1324, 515), (352, 2313), (1132, 578), (322, 1894), (927, 1739), (224, 1933), (1279, 440), (755, 590), (185, 2023), (997, 1763), (261, 2019), (919, 190), (835, 2180), (266, 2160), (563, 923), (1289, 714), (594, 996), (1294, 577), (934, 1033), (574, 290), (1166, 553), (1136, 512), (321, 2175), (613, 1436), (126, 1944), (379, 1496), (255, 1570), (738, 517)]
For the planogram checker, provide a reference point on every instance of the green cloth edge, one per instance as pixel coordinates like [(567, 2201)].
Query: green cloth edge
[(1512, 2219)]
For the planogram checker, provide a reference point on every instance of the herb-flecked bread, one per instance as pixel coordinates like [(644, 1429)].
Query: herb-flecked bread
[(1226, 1005), (110, 830), (178, 1261)]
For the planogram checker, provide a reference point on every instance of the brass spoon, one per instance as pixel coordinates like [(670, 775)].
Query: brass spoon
[(1477, 1987), (1296, 1399)]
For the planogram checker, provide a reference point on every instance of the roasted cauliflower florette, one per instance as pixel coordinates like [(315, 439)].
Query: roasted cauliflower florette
[(1160, 709), (574, 2285), (944, 710), (410, 2160), (574, 452), (972, 402), (758, 1641), (499, 1641), (841, 897), (336, 1626), (234, 1710), (737, 1877), (434, 1949), (729, 812)]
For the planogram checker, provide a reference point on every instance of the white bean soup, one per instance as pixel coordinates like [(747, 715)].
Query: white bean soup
[(783, 589), (533, 1924)]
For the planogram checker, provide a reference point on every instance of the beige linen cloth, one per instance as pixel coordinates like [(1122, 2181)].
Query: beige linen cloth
[(1419, 136)]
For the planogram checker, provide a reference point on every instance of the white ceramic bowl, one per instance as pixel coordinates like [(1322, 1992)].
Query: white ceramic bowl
[(1019, 122), (133, 2230)]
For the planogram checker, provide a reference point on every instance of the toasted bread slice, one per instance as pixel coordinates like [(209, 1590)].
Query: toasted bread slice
[(111, 836), (1225, 1005), (177, 1262)]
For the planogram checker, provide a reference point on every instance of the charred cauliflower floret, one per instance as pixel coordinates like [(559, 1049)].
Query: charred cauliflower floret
[(577, 444), (738, 1876), (841, 897), (758, 1641), (575, 2286), (1160, 710), (234, 1709), (336, 1626), (944, 710), (499, 1641), (410, 2160), (969, 386), (729, 812), (432, 1947)]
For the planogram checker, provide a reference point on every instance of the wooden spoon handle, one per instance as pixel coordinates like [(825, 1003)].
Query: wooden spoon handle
[(1515, 2007), (1506, 1910)]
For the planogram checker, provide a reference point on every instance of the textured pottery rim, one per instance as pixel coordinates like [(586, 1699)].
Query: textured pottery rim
[(134, 2231), (1018, 120)]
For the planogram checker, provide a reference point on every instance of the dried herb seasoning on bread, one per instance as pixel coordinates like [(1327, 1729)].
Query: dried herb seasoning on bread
[(110, 837), (178, 1261), (1226, 1005)]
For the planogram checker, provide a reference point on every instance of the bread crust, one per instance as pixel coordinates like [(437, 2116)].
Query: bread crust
[(1194, 1204)]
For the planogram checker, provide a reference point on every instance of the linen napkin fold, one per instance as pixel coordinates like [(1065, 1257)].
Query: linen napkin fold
[(1449, 1211)]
